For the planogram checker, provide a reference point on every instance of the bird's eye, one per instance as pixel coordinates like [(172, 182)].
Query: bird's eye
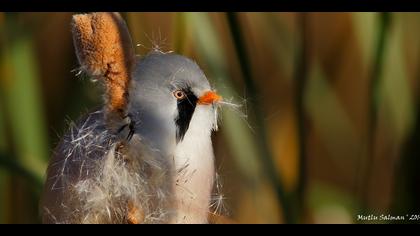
[(179, 94)]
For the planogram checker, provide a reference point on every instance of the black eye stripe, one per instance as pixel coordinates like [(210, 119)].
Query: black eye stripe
[(192, 101), (186, 109)]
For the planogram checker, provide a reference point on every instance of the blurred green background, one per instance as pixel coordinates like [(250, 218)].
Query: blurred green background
[(328, 129)]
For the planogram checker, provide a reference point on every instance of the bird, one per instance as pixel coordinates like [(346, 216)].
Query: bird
[(148, 159)]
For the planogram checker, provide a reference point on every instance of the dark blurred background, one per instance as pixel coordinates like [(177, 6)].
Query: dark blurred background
[(328, 129)]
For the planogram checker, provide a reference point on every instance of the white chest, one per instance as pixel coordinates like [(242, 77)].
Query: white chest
[(194, 170)]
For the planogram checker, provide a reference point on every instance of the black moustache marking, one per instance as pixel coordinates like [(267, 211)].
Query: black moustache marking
[(186, 109)]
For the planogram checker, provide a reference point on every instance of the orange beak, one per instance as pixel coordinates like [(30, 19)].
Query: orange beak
[(208, 98)]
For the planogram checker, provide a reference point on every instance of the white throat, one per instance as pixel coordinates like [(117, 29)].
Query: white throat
[(194, 169)]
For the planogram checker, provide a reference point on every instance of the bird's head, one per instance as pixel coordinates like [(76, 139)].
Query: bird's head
[(169, 96)]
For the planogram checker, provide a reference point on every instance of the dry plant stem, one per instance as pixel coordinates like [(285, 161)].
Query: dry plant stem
[(301, 68)]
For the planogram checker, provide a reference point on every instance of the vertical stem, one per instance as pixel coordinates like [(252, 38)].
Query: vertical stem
[(375, 80), (300, 75), (180, 32), (266, 156)]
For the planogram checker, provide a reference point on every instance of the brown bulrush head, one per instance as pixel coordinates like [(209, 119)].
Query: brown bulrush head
[(104, 49)]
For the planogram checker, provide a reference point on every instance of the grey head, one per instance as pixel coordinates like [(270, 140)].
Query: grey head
[(164, 94)]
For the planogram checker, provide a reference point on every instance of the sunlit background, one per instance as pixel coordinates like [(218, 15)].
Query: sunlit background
[(328, 128)]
